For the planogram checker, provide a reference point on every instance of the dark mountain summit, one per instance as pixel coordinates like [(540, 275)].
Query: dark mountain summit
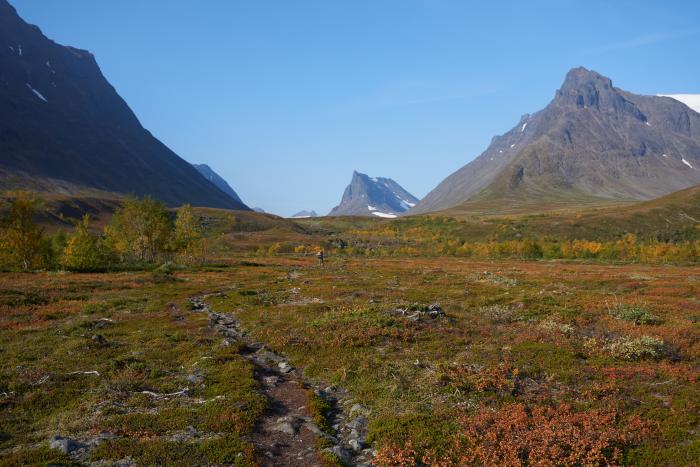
[(63, 127), (208, 173), (593, 143), (381, 197)]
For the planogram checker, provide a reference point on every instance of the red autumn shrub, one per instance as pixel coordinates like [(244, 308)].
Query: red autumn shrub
[(515, 435)]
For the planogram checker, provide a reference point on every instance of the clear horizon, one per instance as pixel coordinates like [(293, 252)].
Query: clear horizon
[(285, 100)]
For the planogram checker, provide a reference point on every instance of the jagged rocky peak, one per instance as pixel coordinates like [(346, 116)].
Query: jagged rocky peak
[(374, 196), (594, 144), (585, 89)]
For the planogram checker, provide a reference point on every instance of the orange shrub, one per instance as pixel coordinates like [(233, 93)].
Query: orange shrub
[(515, 435)]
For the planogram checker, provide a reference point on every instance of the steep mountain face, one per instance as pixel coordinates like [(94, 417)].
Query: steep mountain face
[(208, 173), (592, 143), (304, 214), (64, 128), (381, 197)]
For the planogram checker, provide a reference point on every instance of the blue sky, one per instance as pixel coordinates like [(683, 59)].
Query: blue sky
[(285, 99)]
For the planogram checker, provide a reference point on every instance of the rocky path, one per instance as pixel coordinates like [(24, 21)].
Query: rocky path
[(286, 434)]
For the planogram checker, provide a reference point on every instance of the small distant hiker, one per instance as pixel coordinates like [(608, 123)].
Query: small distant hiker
[(320, 257)]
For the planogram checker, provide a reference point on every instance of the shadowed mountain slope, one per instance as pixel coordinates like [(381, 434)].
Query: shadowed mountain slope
[(64, 128)]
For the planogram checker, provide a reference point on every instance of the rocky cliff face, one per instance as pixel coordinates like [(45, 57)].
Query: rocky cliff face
[(63, 127), (592, 142), (380, 197)]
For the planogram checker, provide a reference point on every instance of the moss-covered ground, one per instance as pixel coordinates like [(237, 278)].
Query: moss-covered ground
[(97, 357)]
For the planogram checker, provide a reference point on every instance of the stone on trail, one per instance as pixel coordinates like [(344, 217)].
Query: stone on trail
[(285, 427), (358, 409), (357, 423), (271, 380), (343, 454), (356, 445)]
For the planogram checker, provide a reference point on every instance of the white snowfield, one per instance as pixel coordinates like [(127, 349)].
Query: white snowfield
[(383, 214), (686, 162), (691, 100), (371, 208)]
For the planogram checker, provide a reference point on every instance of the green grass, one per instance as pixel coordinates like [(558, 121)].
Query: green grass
[(149, 342), (552, 342)]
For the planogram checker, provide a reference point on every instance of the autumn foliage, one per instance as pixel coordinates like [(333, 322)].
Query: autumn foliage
[(517, 435)]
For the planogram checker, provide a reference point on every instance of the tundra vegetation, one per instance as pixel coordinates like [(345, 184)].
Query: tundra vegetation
[(531, 359)]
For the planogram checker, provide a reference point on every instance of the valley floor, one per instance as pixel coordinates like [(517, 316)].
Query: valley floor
[(434, 360)]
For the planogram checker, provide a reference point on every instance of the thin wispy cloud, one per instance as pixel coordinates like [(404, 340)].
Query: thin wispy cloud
[(649, 39)]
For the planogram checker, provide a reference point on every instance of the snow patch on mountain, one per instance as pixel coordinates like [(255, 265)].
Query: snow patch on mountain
[(36, 93)]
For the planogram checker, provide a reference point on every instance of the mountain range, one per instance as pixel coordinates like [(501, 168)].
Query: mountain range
[(64, 128), (369, 196), (593, 144)]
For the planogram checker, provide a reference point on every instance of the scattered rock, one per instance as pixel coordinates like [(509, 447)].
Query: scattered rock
[(357, 423), (313, 428), (65, 445), (418, 312), (343, 454), (350, 438), (285, 427), (195, 378), (102, 323), (271, 380), (99, 340), (434, 311), (358, 409), (267, 356), (356, 445), (188, 435)]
